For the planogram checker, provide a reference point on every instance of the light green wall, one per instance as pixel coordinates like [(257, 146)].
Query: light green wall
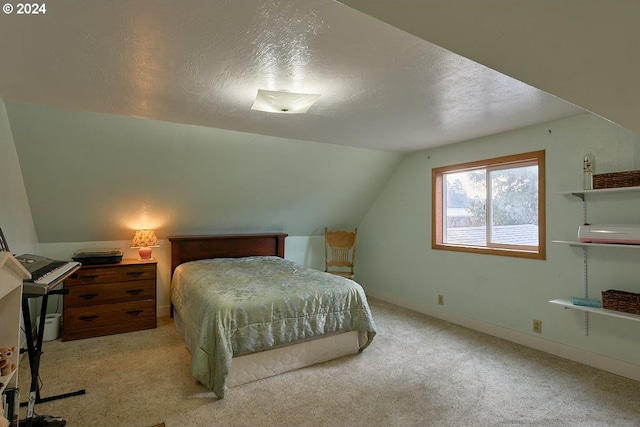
[(394, 255), (15, 214), (395, 259), (96, 177), (90, 177)]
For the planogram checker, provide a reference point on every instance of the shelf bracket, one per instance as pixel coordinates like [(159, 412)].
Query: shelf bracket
[(584, 211), (585, 273), (585, 288)]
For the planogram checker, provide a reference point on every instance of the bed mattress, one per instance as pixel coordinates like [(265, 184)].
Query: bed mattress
[(226, 308), (264, 364)]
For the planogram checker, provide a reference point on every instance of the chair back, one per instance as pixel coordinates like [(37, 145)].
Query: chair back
[(340, 252)]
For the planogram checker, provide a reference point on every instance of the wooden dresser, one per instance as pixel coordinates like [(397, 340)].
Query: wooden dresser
[(110, 299)]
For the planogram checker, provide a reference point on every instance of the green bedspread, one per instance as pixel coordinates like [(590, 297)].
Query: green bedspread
[(234, 306)]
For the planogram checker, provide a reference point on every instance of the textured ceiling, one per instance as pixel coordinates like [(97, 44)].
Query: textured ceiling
[(586, 52), (202, 61)]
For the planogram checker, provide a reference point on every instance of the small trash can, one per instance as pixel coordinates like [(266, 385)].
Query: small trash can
[(51, 326)]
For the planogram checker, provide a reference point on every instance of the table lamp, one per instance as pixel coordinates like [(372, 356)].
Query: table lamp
[(145, 240)]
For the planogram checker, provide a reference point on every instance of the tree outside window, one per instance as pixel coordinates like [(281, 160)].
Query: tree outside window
[(491, 206)]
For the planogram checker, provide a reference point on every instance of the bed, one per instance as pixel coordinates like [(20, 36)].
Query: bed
[(246, 313)]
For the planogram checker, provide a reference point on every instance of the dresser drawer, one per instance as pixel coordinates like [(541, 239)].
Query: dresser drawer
[(109, 299), (104, 315), (107, 293), (121, 273)]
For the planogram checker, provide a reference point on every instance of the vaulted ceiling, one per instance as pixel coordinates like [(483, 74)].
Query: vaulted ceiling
[(202, 62), (94, 89), (586, 52)]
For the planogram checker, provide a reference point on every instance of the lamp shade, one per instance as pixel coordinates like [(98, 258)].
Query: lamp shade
[(144, 239)]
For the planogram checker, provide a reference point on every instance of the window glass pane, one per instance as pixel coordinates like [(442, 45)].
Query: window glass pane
[(514, 206), (492, 206), (465, 208)]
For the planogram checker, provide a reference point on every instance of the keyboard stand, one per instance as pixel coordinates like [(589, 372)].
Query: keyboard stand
[(35, 350)]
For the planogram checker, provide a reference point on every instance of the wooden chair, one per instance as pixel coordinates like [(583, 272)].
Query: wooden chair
[(340, 252)]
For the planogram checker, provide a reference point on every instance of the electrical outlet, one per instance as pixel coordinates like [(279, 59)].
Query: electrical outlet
[(440, 299), (537, 326)]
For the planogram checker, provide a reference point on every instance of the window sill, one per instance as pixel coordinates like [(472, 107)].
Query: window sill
[(490, 251)]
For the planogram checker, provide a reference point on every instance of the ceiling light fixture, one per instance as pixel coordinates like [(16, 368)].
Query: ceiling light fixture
[(273, 101)]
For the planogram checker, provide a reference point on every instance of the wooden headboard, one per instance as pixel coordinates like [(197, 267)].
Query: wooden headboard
[(192, 248)]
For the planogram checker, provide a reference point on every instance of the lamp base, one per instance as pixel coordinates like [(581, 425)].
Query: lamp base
[(145, 254)]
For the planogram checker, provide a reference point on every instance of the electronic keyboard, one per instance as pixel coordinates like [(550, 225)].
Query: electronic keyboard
[(44, 272)]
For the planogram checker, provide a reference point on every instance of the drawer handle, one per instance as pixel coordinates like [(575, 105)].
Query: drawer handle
[(134, 291), (88, 296), (89, 318), (134, 312), (135, 273)]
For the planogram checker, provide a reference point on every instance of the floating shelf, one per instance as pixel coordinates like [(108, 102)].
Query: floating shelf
[(608, 245), (568, 304), (601, 191), (582, 195)]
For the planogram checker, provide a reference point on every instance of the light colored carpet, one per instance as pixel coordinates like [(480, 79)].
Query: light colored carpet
[(419, 371)]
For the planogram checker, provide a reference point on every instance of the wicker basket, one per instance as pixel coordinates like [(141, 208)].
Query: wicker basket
[(621, 301), (617, 179)]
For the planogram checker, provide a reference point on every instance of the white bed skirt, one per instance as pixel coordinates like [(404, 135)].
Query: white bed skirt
[(264, 364)]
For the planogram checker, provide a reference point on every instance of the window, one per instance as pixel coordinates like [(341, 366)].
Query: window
[(494, 206)]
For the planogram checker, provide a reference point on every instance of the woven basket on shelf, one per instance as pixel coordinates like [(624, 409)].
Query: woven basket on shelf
[(617, 179), (621, 301)]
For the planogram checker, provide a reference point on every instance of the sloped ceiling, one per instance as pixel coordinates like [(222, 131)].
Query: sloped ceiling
[(95, 177), (380, 87), (137, 113), (586, 52)]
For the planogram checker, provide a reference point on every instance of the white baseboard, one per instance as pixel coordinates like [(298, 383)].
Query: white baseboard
[(615, 366), (163, 311)]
